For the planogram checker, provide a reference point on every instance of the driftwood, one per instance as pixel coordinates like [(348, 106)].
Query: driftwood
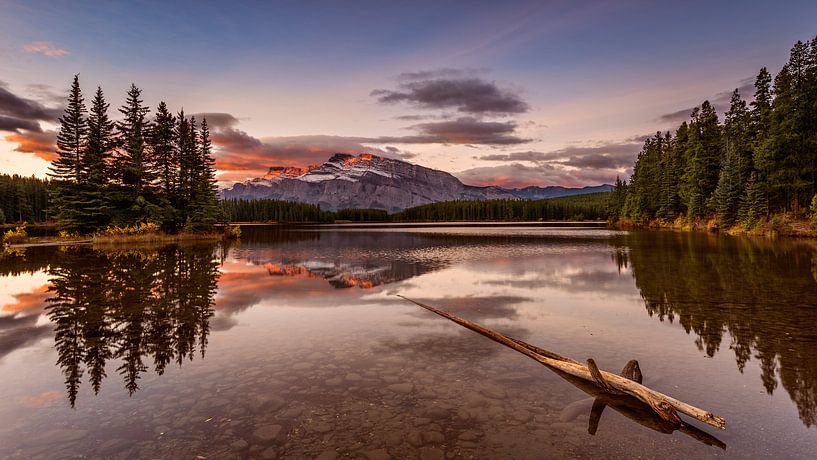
[(664, 406)]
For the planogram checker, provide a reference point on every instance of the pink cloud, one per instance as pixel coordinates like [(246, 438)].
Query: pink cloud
[(46, 49)]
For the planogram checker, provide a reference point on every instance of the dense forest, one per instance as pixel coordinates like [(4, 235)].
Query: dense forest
[(592, 206), (136, 170), (761, 160), (23, 199), (273, 211)]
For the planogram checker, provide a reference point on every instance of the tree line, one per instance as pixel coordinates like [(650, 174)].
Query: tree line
[(23, 199), (131, 171), (591, 206), (761, 160)]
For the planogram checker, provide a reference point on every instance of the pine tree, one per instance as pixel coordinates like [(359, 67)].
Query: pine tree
[(185, 153), (133, 159), (703, 158), (737, 162), (66, 170), (204, 210), (164, 150), (754, 206), (730, 188), (99, 148), (96, 164), (135, 168)]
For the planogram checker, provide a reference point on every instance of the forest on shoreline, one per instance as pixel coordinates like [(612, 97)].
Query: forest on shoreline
[(760, 163), (137, 171)]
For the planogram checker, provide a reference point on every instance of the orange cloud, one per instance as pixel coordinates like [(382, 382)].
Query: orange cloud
[(40, 144)]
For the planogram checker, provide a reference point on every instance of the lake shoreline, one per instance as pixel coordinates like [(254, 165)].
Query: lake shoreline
[(778, 225)]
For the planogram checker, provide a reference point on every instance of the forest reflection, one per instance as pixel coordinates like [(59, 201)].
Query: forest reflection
[(760, 295), (133, 307)]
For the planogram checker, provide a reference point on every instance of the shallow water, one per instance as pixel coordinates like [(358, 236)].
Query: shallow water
[(292, 344)]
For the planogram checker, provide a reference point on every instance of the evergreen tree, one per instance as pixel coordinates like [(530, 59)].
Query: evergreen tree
[(164, 150), (204, 210), (186, 154), (135, 168), (96, 164), (754, 206), (737, 163), (703, 158), (66, 170)]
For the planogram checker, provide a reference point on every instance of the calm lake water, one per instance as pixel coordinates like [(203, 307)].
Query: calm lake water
[(292, 343)]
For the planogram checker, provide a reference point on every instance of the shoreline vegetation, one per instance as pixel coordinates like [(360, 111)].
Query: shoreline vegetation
[(755, 173)]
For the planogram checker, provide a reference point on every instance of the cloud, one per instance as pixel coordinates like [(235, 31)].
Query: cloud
[(611, 155), (240, 155), (41, 144), (16, 124), (519, 175), (217, 120), (468, 95), (720, 102), (46, 49), (437, 73), (15, 106), (464, 130)]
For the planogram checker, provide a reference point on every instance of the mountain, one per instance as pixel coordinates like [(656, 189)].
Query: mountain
[(370, 181)]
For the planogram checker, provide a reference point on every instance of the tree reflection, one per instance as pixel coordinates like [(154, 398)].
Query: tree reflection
[(132, 307), (759, 295)]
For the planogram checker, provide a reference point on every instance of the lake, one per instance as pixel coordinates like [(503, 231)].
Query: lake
[(292, 343)]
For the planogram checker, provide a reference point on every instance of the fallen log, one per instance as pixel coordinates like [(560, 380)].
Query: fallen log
[(664, 406)]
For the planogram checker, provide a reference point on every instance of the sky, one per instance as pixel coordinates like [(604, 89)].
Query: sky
[(510, 93)]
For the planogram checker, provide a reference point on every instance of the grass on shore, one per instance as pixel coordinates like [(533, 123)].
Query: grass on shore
[(784, 224)]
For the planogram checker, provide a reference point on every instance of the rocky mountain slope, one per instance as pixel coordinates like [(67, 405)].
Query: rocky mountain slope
[(370, 181)]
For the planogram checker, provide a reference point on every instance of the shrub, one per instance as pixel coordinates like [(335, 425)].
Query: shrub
[(232, 232), (16, 236), (143, 228)]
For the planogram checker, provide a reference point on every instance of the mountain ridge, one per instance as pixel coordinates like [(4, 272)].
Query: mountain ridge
[(370, 181)]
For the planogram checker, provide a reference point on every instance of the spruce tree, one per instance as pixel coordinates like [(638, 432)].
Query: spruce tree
[(184, 151), (753, 206), (737, 162), (135, 169), (164, 150), (96, 164), (66, 170), (703, 160), (204, 209)]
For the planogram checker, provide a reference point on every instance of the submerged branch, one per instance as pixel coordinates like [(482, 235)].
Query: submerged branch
[(664, 406)]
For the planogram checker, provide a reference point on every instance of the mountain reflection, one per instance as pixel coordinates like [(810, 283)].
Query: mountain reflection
[(131, 307), (759, 294)]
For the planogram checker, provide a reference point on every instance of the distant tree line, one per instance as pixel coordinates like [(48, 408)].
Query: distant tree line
[(134, 170), (23, 199), (362, 215), (592, 206), (236, 210), (762, 159)]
